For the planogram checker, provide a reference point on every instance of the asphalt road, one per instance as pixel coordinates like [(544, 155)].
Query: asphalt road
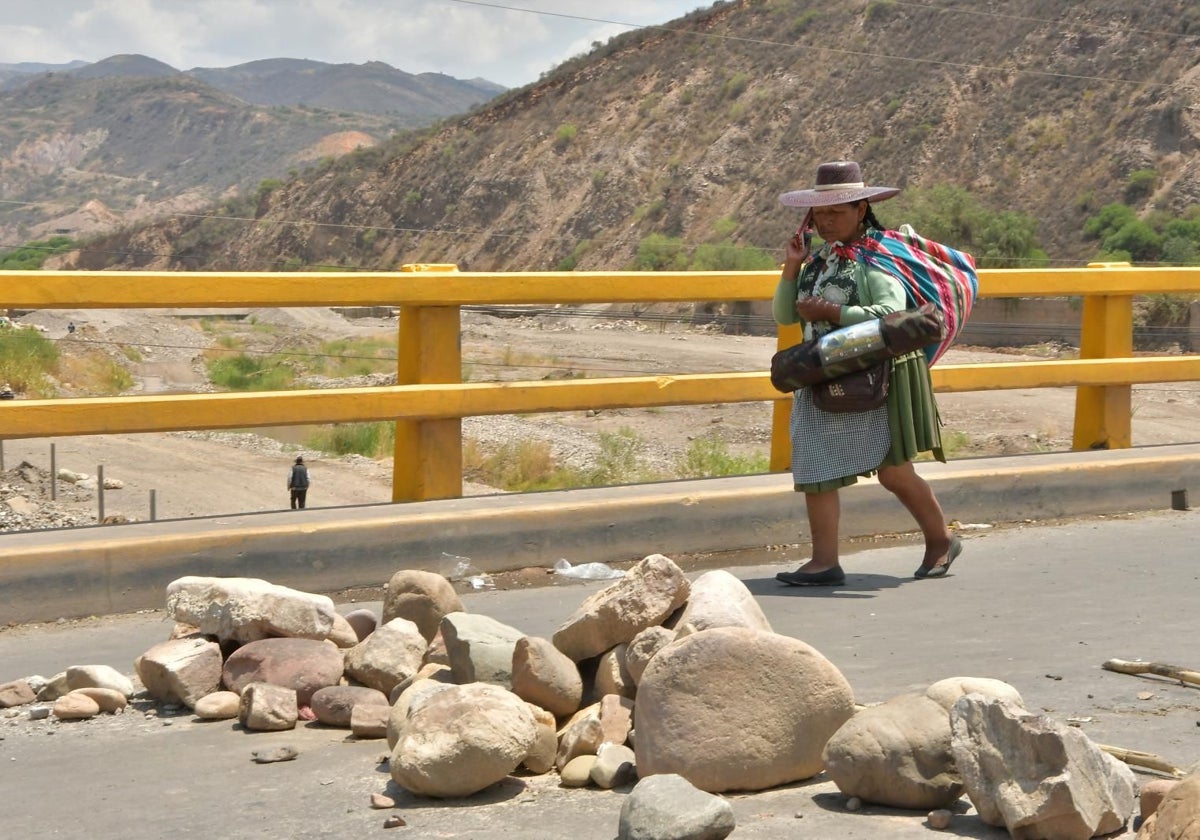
[(1041, 607)]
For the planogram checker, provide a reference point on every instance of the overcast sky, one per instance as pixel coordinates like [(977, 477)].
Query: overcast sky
[(510, 42)]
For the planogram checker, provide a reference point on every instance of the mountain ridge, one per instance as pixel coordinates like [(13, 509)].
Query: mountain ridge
[(86, 148), (691, 131)]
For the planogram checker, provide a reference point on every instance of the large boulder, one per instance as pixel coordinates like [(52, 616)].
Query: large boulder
[(738, 709), (1034, 776), (463, 739), (480, 649), (414, 695), (718, 599), (303, 665), (545, 676), (248, 609), (646, 596), (896, 754), (181, 670), (423, 598), (388, 656)]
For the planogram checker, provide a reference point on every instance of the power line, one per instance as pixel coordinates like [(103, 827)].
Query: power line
[(976, 12), (761, 42)]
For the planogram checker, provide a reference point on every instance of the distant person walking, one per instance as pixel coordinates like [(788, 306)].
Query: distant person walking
[(298, 483)]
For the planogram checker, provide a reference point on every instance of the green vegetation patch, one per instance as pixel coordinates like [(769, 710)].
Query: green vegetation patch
[(243, 372), (26, 359), (29, 257)]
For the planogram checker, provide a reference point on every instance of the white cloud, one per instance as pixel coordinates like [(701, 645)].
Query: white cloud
[(511, 44)]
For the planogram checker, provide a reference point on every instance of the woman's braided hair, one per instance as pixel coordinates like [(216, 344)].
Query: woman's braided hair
[(870, 220)]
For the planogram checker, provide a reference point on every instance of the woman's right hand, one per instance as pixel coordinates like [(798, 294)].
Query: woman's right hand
[(797, 251)]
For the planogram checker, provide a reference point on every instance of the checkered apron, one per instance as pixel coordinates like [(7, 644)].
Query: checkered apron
[(828, 446)]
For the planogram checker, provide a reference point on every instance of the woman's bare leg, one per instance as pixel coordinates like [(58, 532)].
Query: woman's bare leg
[(824, 516), (917, 497)]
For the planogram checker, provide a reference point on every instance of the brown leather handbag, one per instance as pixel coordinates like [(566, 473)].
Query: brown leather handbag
[(860, 390)]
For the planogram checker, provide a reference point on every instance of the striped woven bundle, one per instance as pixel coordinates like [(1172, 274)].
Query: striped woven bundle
[(930, 272)]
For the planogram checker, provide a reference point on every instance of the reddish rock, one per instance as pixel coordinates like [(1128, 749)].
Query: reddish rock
[(304, 665)]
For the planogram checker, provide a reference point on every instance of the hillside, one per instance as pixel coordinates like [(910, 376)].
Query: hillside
[(372, 87), (122, 141), (692, 131)]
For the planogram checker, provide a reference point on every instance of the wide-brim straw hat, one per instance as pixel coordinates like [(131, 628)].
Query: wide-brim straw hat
[(839, 182)]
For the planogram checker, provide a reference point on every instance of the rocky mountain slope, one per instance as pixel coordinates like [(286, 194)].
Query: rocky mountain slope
[(693, 129), (84, 149)]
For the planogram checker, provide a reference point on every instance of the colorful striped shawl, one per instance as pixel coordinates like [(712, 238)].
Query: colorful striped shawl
[(929, 271)]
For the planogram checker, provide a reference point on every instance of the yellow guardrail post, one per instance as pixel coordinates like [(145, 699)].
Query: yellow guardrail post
[(781, 409), (1103, 413), (427, 458)]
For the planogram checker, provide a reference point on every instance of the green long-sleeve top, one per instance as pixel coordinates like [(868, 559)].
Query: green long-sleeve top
[(884, 293)]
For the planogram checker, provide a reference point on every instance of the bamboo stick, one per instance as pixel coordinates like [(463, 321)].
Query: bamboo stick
[(1174, 672), (1144, 759)]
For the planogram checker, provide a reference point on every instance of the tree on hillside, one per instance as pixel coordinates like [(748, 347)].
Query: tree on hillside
[(1159, 237), (954, 216)]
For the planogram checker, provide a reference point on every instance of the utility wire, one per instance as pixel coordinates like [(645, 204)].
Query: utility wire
[(762, 42)]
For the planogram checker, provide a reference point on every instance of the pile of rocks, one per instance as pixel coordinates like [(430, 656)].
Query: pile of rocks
[(25, 502), (677, 688)]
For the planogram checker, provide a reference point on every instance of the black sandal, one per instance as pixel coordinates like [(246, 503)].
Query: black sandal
[(830, 577), (940, 571)]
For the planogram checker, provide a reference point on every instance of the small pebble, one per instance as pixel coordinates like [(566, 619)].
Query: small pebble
[(277, 754), (939, 820), (378, 800), (853, 803), (394, 822)]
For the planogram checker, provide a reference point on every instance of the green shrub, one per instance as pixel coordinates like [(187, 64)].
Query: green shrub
[(526, 465), (661, 253), (569, 262), (250, 373), (952, 215), (618, 461), (564, 135), (708, 456), (371, 440), (26, 358), (354, 357), (725, 256), (1139, 185), (735, 85), (29, 257)]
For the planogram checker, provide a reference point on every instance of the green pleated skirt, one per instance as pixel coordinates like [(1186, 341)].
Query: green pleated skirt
[(913, 421)]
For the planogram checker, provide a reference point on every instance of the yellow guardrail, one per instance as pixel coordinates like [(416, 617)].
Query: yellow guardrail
[(429, 400)]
